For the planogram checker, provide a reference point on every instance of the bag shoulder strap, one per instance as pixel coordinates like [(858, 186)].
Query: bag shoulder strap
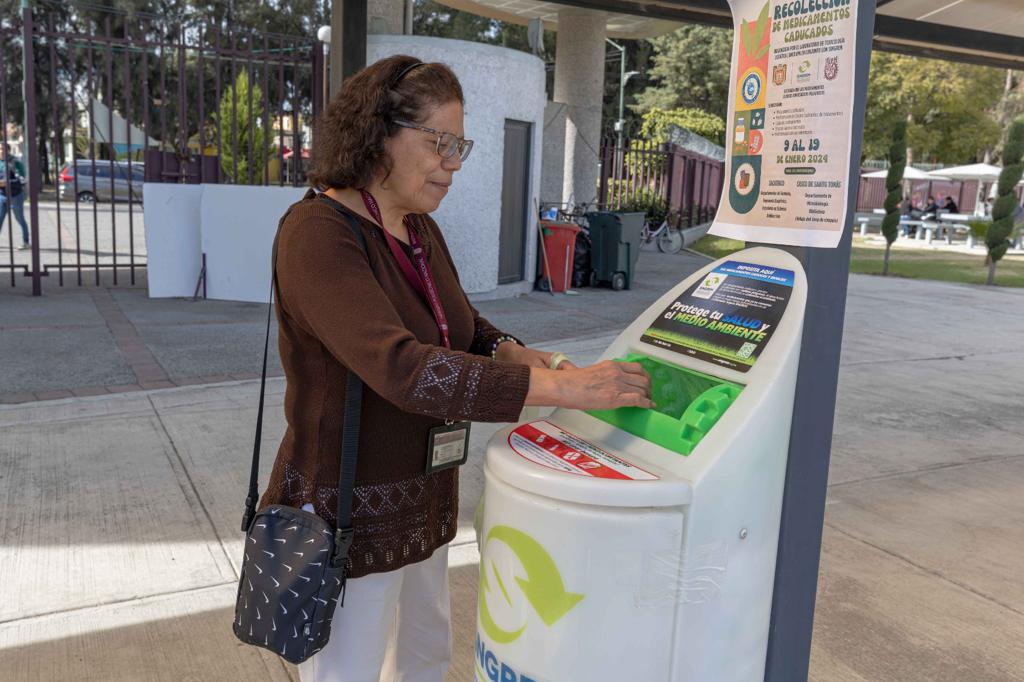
[(353, 412)]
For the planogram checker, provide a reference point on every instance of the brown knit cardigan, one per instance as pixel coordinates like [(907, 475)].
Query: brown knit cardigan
[(339, 307)]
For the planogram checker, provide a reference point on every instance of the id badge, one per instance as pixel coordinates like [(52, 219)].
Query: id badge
[(447, 446)]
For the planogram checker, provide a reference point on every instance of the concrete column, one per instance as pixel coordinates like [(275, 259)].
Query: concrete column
[(579, 85), (385, 16)]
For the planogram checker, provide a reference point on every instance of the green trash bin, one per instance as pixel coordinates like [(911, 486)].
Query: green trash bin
[(615, 239)]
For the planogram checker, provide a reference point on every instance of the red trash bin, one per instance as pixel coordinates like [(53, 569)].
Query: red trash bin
[(560, 246)]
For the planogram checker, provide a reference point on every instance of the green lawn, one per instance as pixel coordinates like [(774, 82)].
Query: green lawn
[(942, 266), (716, 247)]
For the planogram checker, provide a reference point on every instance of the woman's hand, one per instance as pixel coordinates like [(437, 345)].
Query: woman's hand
[(605, 386), (510, 351)]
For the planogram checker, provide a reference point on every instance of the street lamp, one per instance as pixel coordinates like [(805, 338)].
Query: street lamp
[(624, 76), (323, 34)]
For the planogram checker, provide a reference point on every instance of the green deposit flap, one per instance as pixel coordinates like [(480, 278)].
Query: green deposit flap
[(687, 404)]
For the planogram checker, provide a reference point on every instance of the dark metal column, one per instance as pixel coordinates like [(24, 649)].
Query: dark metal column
[(31, 142), (803, 505), (348, 40)]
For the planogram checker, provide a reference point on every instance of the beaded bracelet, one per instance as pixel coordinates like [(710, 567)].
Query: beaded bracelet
[(502, 339)]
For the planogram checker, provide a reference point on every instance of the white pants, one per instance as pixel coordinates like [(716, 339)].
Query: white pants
[(394, 627)]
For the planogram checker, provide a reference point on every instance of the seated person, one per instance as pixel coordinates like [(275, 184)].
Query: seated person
[(950, 206)]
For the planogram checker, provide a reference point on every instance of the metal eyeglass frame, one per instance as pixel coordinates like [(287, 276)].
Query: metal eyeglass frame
[(463, 146)]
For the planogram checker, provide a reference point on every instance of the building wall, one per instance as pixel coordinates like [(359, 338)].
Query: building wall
[(234, 225), (498, 84), (553, 169)]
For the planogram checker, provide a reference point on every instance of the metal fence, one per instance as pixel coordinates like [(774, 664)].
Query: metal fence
[(656, 177), (116, 100)]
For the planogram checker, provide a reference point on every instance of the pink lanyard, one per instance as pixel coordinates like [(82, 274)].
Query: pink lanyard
[(421, 281)]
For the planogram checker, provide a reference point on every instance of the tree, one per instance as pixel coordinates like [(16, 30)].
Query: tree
[(998, 237), (431, 18), (153, 21), (440, 21), (658, 121), (894, 186), (243, 132), (949, 108), (691, 69)]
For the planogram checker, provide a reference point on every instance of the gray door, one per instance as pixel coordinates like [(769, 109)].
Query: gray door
[(515, 197)]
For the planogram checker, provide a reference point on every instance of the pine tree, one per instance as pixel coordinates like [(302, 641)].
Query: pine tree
[(243, 130), (894, 187)]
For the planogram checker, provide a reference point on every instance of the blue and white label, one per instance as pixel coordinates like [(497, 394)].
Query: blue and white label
[(762, 273), (728, 317)]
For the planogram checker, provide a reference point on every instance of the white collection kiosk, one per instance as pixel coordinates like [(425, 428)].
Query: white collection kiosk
[(639, 545)]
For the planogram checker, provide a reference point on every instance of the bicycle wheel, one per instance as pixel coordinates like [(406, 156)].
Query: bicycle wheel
[(670, 241)]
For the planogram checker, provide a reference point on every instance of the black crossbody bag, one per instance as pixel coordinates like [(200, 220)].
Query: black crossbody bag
[(293, 569)]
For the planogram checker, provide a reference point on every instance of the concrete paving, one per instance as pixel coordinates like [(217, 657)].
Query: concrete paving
[(119, 513), (112, 339), (103, 233)]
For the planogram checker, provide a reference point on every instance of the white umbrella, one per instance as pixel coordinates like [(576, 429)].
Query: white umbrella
[(909, 173), (984, 172)]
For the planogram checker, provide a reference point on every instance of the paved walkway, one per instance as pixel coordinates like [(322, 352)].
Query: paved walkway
[(119, 513), (82, 341)]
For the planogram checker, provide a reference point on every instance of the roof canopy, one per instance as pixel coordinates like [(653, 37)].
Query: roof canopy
[(909, 173), (978, 31)]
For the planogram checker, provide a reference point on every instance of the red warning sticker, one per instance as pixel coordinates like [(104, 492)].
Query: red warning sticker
[(544, 443)]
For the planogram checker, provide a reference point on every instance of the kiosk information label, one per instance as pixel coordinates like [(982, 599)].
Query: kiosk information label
[(726, 318), (544, 443)]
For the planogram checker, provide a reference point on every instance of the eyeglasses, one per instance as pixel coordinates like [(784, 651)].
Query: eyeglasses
[(448, 144)]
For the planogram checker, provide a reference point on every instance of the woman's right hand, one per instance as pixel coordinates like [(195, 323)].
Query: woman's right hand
[(605, 386)]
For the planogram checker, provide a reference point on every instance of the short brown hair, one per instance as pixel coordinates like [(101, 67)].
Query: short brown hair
[(350, 134)]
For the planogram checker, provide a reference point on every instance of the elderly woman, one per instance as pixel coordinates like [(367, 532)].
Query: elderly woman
[(387, 150)]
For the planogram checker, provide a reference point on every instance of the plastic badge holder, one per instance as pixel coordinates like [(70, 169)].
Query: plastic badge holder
[(687, 404)]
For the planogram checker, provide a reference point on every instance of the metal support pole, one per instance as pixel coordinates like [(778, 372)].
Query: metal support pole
[(622, 85), (810, 442), (348, 40), (31, 145)]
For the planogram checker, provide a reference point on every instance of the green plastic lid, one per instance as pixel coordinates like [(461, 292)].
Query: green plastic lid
[(687, 405)]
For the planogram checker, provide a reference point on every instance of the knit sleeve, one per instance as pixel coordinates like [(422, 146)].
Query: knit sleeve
[(485, 334), (327, 286)]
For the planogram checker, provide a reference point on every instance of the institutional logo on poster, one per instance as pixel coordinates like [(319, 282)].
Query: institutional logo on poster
[(803, 72), (751, 88), (743, 179), (709, 286), (831, 68), (779, 74)]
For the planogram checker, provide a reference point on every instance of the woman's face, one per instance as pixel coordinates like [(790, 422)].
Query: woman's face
[(420, 177)]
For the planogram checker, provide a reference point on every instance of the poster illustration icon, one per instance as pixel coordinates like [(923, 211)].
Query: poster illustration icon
[(741, 131), (751, 87), (756, 142), (744, 179)]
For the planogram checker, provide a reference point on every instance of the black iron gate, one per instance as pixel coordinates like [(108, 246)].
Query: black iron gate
[(95, 104)]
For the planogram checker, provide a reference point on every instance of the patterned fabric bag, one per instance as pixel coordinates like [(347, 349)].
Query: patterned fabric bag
[(293, 568)]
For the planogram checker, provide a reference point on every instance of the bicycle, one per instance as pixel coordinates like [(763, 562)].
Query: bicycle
[(668, 237)]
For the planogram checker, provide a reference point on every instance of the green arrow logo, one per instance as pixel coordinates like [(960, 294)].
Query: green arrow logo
[(542, 586)]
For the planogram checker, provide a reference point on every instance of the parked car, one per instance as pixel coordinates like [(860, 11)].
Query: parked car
[(77, 179)]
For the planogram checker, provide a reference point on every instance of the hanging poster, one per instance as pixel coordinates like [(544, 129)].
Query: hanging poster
[(789, 129)]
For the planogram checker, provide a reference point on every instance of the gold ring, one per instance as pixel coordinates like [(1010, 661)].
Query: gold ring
[(557, 359)]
